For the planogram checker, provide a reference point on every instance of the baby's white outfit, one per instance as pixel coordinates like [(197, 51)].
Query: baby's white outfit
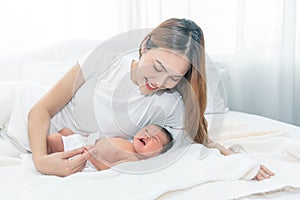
[(77, 141)]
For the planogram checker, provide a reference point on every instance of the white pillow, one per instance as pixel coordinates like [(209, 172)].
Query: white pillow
[(7, 97), (11, 68), (39, 77), (27, 95), (45, 73)]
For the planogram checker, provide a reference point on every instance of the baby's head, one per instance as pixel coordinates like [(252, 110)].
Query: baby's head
[(152, 140)]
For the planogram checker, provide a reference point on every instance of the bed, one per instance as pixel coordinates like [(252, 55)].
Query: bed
[(199, 173)]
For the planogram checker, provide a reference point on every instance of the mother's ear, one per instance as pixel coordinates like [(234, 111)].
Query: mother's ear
[(143, 47), (143, 50)]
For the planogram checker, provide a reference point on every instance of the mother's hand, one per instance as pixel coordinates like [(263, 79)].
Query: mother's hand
[(263, 173), (59, 165)]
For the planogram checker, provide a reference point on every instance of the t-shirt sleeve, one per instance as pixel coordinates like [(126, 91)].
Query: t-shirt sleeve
[(83, 58), (96, 61)]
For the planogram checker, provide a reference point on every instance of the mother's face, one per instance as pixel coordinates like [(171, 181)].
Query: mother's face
[(160, 69)]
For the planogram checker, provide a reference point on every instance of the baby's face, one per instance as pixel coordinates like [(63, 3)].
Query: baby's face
[(150, 140)]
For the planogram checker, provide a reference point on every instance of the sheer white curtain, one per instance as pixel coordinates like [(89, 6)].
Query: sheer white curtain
[(265, 67), (30, 24), (257, 40)]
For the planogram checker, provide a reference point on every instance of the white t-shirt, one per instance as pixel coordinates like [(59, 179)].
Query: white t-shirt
[(111, 104)]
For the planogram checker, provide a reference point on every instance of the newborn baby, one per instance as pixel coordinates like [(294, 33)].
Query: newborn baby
[(150, 141)]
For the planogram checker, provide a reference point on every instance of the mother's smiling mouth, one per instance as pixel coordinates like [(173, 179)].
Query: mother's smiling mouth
[(150, 86)]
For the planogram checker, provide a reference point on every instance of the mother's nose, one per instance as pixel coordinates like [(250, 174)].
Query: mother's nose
[(161, 80)]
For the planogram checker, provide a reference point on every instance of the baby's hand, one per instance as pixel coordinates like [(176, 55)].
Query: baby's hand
[(263, 173), (89, 147)]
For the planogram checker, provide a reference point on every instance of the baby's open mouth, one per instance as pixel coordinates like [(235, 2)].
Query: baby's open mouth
[(142, 140)]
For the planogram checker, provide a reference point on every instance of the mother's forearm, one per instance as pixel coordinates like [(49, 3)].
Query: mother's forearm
[(225, 151), (38, 126)]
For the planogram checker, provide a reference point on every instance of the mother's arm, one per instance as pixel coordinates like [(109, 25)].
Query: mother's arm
[(225, 151), (38, 126), (263, 172)]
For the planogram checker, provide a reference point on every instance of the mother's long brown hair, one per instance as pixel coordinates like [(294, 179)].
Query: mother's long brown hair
[(186, 38)]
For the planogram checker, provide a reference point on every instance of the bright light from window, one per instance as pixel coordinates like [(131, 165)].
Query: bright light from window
[(218, 20)]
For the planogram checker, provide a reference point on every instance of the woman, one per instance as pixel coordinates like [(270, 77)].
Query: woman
[(171, 63)]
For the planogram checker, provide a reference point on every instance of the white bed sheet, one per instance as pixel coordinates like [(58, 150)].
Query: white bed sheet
[(235, 124)]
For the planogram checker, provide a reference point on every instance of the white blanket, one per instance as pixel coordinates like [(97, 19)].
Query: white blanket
[(186, 172), (211, 177), (266, 141)]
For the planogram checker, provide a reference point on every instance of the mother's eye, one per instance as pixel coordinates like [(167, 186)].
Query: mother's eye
[(175, 79), (157, 69)]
